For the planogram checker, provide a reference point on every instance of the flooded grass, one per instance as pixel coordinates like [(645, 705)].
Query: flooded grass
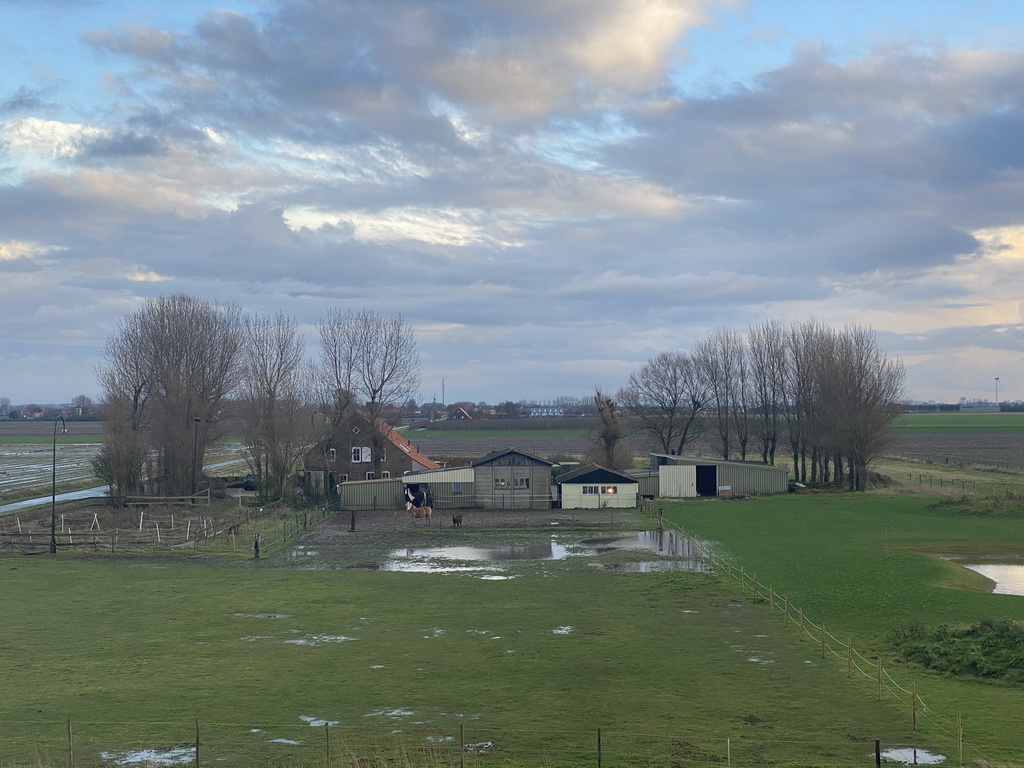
[(529, 660)]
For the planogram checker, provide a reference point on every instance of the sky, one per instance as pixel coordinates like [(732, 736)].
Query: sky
[(550, 193)]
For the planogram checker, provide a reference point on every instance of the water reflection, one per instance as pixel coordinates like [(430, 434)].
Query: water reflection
[(1009, 579), (663, 543)]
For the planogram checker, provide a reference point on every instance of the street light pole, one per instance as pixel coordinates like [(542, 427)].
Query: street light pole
[(53, 501), (195, 450)]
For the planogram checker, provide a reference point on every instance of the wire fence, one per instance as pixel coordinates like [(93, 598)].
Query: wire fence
[(318, 743), (870, 668)]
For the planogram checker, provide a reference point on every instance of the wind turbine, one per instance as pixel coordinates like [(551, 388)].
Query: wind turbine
[(997, 389)]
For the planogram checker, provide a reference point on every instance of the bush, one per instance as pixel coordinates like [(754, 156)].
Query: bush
[(992, 649)]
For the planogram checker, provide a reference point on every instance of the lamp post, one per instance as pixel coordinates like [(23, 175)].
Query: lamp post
[(195, 450), (53, 502)]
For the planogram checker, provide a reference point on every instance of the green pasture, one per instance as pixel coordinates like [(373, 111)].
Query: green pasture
[(866, 564), (960, 423), (674, 668)]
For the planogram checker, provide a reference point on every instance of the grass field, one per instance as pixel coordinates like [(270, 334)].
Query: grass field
[(675, 668), (960, 423), (866, 564)]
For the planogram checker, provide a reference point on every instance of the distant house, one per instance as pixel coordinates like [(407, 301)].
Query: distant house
[(537, 411), (596, 487), (512, 479), (347, 455)]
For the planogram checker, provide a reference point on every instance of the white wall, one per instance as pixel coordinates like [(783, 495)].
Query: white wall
[(677, 481), (573, 497)]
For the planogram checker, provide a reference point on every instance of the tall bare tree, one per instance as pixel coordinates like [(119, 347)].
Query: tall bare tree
[(371, 360), (277, 422), (766, 348), (720, 356), (667, 394), (861, 393), (174, 360), (608, 436)]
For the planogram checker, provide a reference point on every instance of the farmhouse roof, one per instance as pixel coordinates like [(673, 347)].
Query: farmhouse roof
[(406, 447), (595, 473), (492, 457)]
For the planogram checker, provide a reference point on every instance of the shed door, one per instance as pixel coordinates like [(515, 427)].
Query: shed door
[(707, 480)]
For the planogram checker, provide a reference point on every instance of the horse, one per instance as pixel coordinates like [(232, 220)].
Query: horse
[(418, 512), (456, 519)]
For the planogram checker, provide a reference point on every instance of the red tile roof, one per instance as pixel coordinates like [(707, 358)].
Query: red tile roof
[(403, 444)]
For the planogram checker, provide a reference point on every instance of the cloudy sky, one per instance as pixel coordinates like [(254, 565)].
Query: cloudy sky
[(550, 192)]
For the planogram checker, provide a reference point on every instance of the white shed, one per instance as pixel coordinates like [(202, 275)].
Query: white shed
[(596, 487)]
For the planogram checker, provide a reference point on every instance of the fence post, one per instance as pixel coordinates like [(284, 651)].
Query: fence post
[(913, 704), (327, 740), (785, 614), (960, 738), (878, 696), (197, 743), (462, 745), (771, 599), (598, 748), (849, 657), (878, 753), (71, 750), (753, 587), (823, 639), (801, 625)]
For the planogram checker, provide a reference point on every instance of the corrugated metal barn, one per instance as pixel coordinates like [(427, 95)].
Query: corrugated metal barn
[(452, 488), (681, 477)]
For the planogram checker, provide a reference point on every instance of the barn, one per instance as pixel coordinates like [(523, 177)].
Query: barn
[(596, 487), (512, 479), (681, 477)]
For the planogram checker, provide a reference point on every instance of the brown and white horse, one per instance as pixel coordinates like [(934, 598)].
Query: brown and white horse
[(417, 513)]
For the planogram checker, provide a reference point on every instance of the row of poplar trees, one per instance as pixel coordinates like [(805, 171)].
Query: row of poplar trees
[(180, 373), (826, 396)]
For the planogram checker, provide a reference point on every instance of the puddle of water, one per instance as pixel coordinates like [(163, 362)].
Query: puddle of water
[(662, 543), (316, 640), (317, 722), (652, 566), (293, 742), (301, 551), (911, 756), (175, 756), (1009, 579)]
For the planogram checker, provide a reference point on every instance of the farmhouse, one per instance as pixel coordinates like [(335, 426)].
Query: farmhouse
[(596, 487), (681, 477), (347, 454), (512, 479)]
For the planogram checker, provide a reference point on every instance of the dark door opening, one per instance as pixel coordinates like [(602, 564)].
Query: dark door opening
[(707, 480)]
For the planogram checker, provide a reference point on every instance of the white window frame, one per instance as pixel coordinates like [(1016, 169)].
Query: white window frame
[(609, 489), (385, 474), (371, 476), (522, 483), (590, 490)]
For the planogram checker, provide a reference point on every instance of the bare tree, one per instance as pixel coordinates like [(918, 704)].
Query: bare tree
[(175, 359), (370, 358), (766, 349), (608, 436), (667, 395), (82, 404), (5, 407), (862, 391), (277, 422), (721, 358)]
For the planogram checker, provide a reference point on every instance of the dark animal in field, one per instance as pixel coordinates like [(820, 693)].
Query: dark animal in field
[(418, 513), (456, 519)]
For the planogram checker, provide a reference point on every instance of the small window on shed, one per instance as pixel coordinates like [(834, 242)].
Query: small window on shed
[(456, 489), (521, 482), (501, 482), (591, 490), (610, 489)]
